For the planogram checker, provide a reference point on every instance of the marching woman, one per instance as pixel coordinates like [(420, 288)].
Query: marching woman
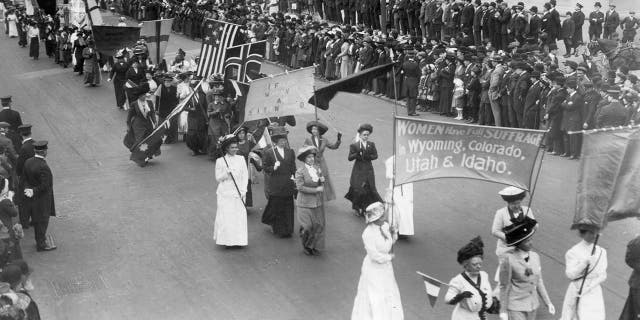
[(470, 291), (230, 228), (514, 212), (245, 147), (91, 67), (591, 305), (280, 167), (317, 130), (520, 275), (378, 297), (12, 20), (362, 188), (34, 36), (310, 184), (141, 123)]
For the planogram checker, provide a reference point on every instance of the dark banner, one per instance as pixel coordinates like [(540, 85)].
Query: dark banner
[(431, 149), (110, 39)]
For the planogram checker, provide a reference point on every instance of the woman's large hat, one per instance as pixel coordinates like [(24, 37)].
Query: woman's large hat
[(305, 151), (278, 132), (227, 140), (322, 128), (374, 211), (365, 127), (520, 231), (511, 193), (471, 249)]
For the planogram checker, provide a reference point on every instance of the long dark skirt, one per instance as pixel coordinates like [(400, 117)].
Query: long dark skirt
[(34, 48), (446, 98), (196, 141), (279, 215), (631, 310), (249, 195), (362, 197)]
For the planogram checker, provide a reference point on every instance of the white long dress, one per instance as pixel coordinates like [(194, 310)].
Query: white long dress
[(402, 200), (378, 297), (230, 227), (591, 304), (13, 28), (468, 308)]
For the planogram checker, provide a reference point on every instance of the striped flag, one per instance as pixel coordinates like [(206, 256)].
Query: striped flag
[(156, 33), (218, 37), (243, 62), (265, 140), (432, 286)]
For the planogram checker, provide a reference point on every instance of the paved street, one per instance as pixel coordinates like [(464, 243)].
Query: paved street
[(136, 243)]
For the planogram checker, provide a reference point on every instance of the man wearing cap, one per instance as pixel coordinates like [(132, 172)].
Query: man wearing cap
[(629, 26), (578, 21), (596, 18), (572, 115), (118, 75), (611, 22), (26, 152), (38, 191), (12, 117), (411, 72)]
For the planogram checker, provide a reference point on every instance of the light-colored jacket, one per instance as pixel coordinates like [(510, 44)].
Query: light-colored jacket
[(308, 197)]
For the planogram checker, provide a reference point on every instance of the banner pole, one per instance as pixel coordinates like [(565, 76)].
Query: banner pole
[(395, 93), (234, 182), (535, 181), (584, 278), (315, 102), (273, 148)]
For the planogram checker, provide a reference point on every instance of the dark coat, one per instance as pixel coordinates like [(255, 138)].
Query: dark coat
[(572, 113), (6, 147), (534, 26), (467, 17), (555, 18), (362, 171), (477, 19), (280, 183), (611, 115), (37, 176), (578, 20), (611, 20), (26, 152), (554, 110), (548, 26), (531, 111), (568, 29), (520, 90), (12, 117)]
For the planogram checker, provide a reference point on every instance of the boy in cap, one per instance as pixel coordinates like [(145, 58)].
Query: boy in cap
[(596, 18)]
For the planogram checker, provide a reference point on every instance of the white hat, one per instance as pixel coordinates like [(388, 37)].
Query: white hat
[(511, 191), (374, 211)]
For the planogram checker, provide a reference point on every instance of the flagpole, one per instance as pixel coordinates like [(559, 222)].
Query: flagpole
[(535, 183), (234, 181), (272, 146), (584, 278), (393, 178), (432, 278), (315, 101)]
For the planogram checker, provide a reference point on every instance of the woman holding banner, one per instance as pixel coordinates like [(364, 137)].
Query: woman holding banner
[(230, 227), (317, 129), (362, 188)]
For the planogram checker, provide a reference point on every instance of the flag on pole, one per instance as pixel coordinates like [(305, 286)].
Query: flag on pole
[(156, 33), (110, 39), (265, 140), (243, 62), (432, 287), (93, 12), (609, 183), (218, 36)]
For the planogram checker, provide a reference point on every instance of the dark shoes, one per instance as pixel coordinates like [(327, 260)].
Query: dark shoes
[(413, 114), (46, 248)]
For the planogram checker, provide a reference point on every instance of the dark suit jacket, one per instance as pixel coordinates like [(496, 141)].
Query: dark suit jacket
[(477, 18), (568, 29), (136, 77), (362, 168), (555, 18), (467, 16), (119, 69), (611, 20), (520, 90), (6, 147), (12, 117), (572, 110), (26, 152), (37, 176), (280, 183), (532, 104), (534, 26), (632, 258)]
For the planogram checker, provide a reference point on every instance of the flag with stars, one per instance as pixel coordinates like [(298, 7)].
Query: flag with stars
[(243, 62), (218, 36)]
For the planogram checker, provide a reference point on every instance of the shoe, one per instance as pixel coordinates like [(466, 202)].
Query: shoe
[(308, 251), (564, 155), (554, 153), (316, 252), (46, 248), (413, 114), (574, 158)]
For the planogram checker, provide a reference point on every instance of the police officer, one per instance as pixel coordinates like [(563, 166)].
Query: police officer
[(629, 26), (411, 72)]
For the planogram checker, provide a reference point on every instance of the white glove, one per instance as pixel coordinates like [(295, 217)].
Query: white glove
[(28, 193), (276, 165), (504, 316), (552, 308)]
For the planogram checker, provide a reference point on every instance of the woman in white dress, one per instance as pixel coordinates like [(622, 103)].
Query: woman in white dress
[(470, 291), (230, 227), (12, 23), (591, 305), (378, 297)]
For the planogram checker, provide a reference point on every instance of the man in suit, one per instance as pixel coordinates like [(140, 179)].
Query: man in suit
[(118, 75), (572, 119), (567, 33), (26, 152), (611, 22), (549, 27), (596, 18), (38, 192), (534, 24), (6, 145), (12, 117), (554, 115), (531, 110), (578, 21), (411, 73), (629, 26), (467, 17), (555, 16), (477, 23), (519, 94), (280, 166)]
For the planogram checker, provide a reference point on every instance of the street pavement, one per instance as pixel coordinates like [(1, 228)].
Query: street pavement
[(136, 243)]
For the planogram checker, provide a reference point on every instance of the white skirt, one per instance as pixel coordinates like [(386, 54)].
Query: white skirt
[(230, 227)]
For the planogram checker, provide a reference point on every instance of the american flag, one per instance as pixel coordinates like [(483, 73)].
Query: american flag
[(243, 62), (219, 35)]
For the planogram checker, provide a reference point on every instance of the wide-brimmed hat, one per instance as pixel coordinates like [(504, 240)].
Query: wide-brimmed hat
[(227, 140), (511, 193), (305, 151), (278, 132), (365, 127), (374, 211), (520, 231), (322, 128), (472, 249)]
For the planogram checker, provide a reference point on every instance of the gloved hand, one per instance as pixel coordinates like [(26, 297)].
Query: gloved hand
[(504, 316), (339, 136), (460, 296), (276, 165), (552, 308)]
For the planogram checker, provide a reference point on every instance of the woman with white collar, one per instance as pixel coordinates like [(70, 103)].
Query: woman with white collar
[(378, 296), (310, 185)]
